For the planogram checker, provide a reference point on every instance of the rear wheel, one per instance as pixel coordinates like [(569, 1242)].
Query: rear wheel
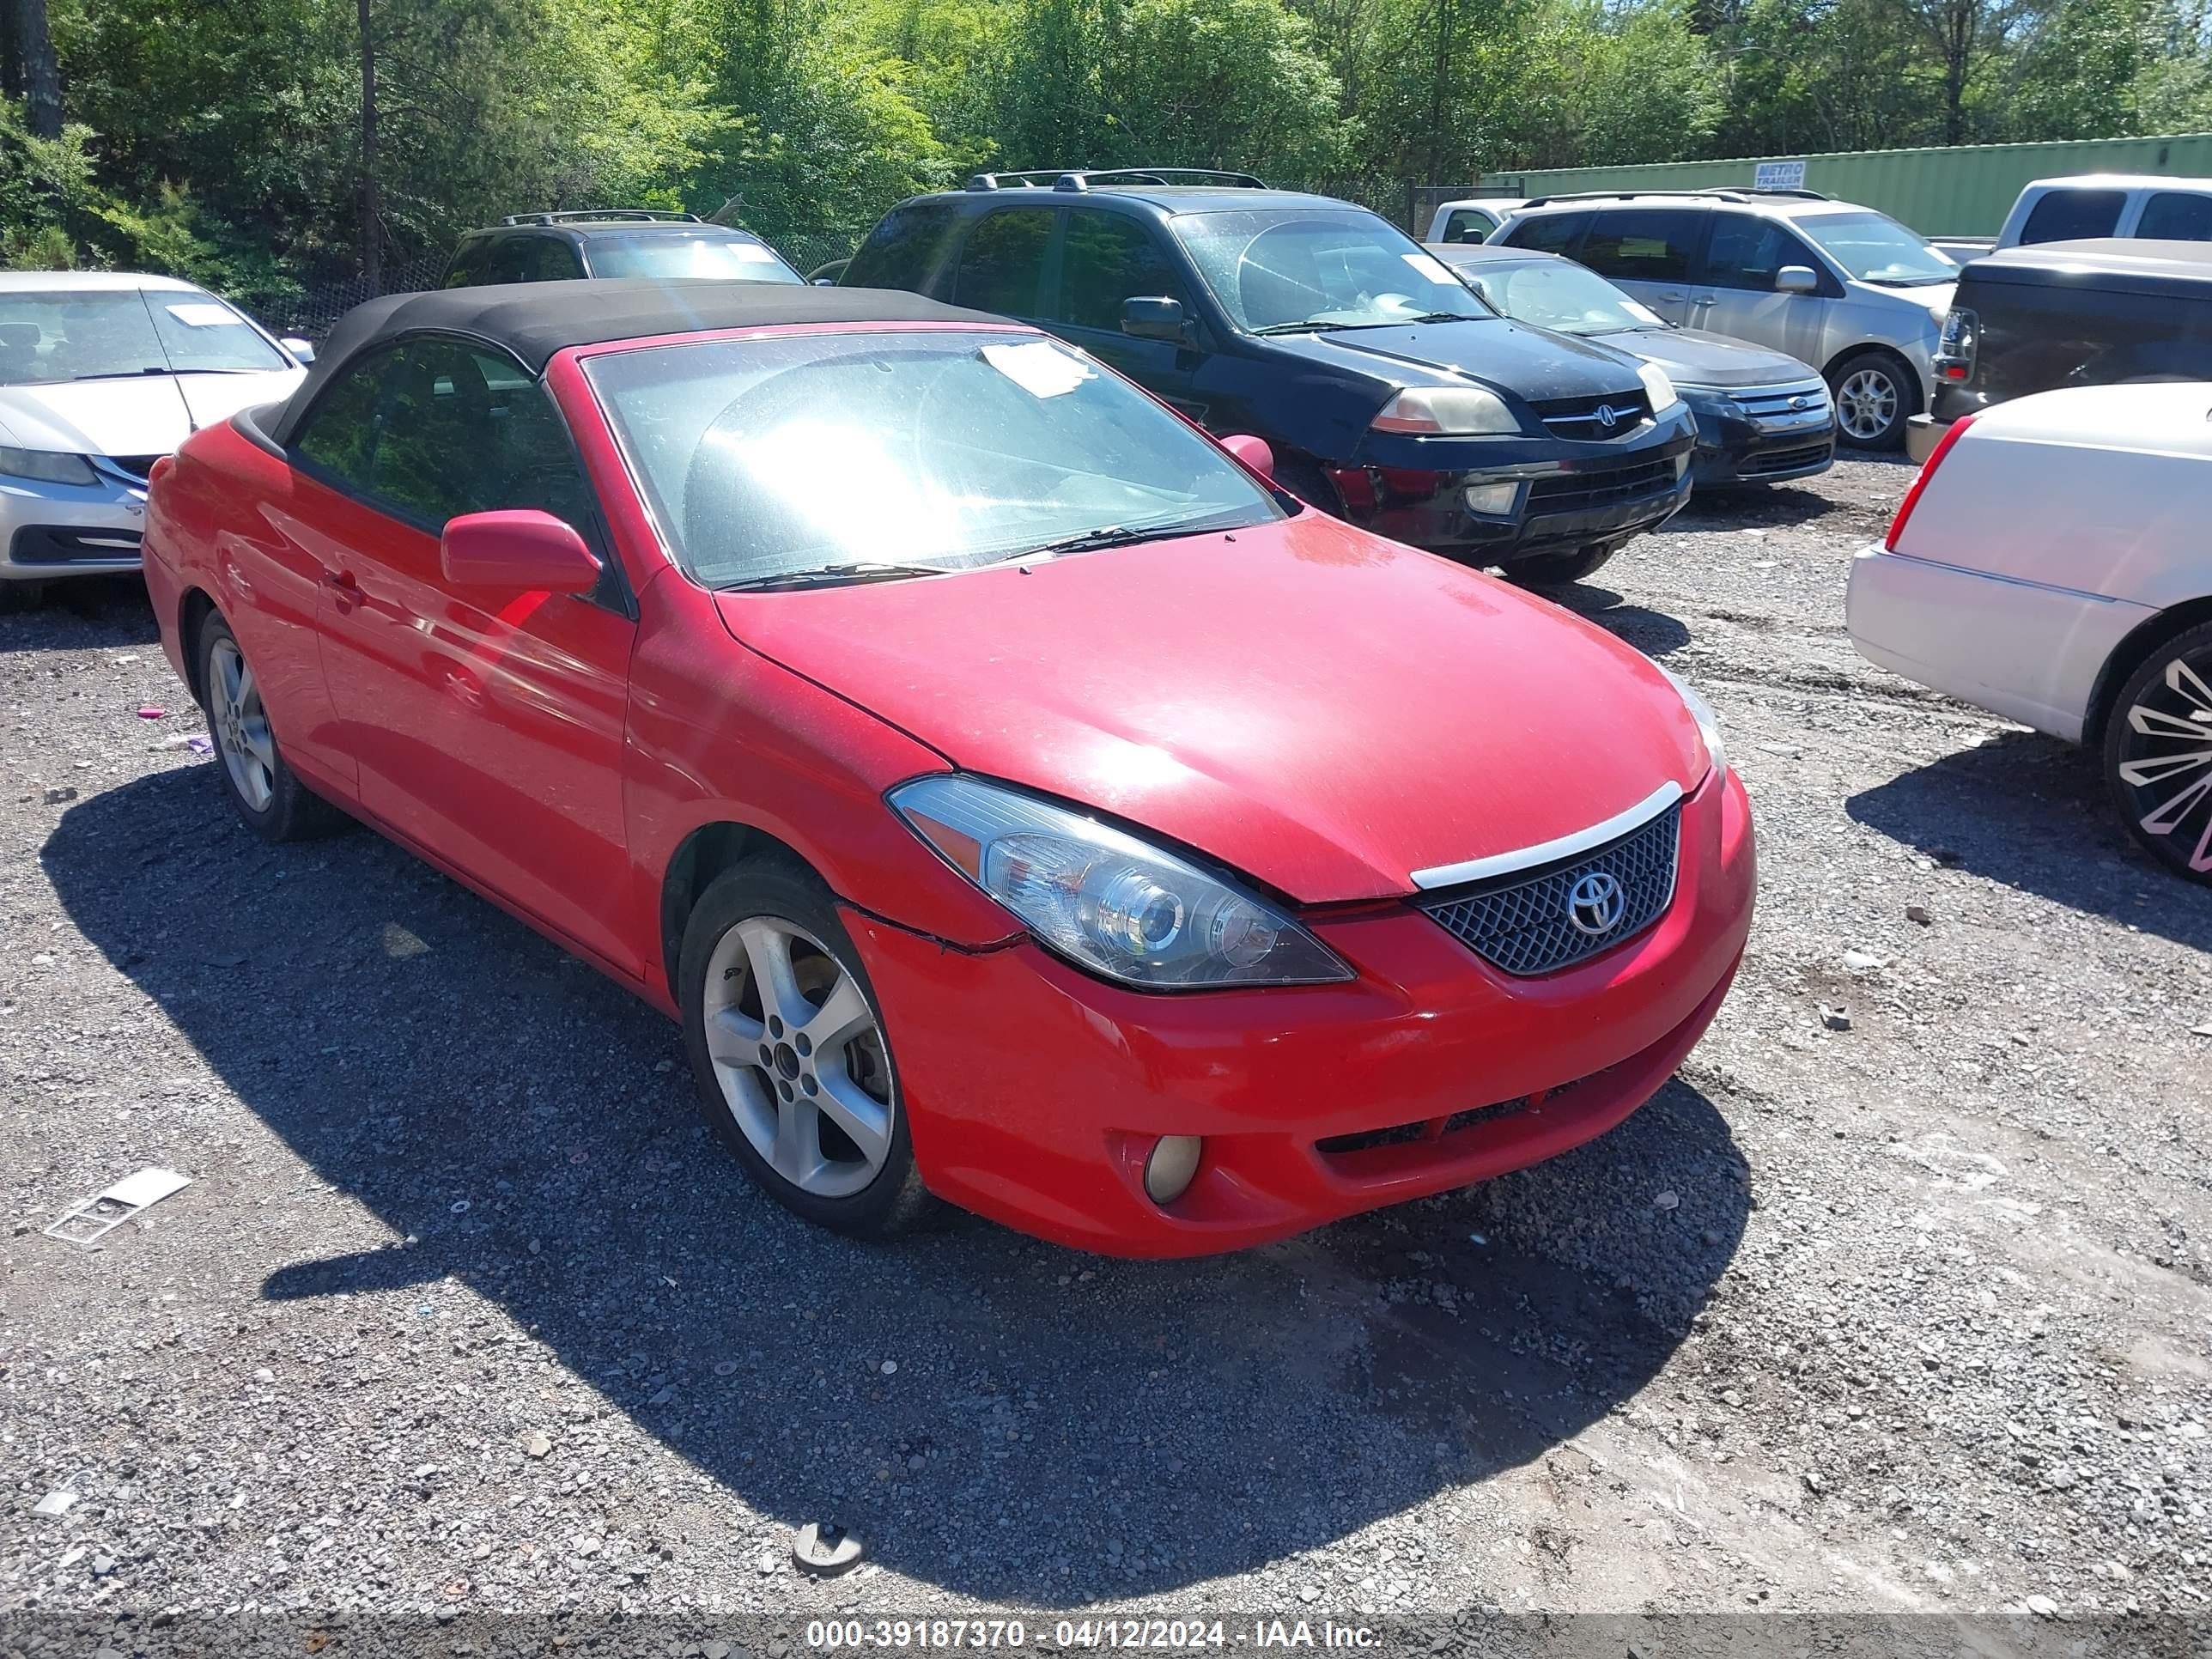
[(268, 795), (1874, 398), (1557, 569), (793, 1069), (2158, 754)]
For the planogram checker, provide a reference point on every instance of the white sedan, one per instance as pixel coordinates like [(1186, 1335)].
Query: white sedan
[(2050, 564), (101, 374)]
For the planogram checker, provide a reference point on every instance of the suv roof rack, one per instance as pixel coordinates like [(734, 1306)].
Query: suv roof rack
[(570, 216), (1081, 179), (1722, 192)]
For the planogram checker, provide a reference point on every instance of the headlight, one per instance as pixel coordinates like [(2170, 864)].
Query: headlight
[(1447, 411), (1106, 899), (1656, 386), (49, 466), (1709, 723)]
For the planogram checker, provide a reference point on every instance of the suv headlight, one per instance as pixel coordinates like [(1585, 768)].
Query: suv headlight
[(1709, 723), (1656, 386), (1447, 411), (48, 465), (1105, 900)]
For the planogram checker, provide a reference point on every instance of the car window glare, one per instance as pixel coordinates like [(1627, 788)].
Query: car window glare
[(1556, 294), (735, 259), (49, 337), (1872, 247), (773, 457), (1282, 269)]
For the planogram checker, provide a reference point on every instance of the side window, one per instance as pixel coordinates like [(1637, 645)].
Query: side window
[(339, 436), (1109, 258), (507, 260), (1642, 245), (1549, 233), (1747, 252), (2174, 216), (1467, 225), (467, 268), (897, 251), (550, 260), (465, 431), (2067, 216), (1002, 267)]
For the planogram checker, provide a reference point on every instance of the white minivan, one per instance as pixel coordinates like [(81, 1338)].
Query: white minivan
[(2093, 204)]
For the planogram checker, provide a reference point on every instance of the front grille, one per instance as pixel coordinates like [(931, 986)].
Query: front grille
[(1588, 488), (136, 465), (1442, 1129), (1784, 460), (1595, 419), (1799, 400), (40, 544), (1523, 924)]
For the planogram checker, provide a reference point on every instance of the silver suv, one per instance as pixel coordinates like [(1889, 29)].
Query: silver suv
[(1849, 290)]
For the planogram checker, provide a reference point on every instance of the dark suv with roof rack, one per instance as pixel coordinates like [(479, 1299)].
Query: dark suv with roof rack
[(555, 247), (1390, 393)]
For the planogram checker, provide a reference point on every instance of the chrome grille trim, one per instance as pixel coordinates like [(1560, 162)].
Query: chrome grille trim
[(1550, 851), (1524, 928)]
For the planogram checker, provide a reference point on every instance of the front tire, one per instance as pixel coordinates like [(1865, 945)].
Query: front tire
[(787, 1046), (268, 795), (1557, 569), (1874, 398), (2158, 754)]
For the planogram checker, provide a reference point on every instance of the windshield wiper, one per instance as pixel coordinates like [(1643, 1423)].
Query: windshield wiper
[(824, 575), (1297, 328), (1442, 317), (1124, 535), (125, 373)]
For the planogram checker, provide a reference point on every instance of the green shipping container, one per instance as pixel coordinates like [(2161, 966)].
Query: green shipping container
[(1963, 189)]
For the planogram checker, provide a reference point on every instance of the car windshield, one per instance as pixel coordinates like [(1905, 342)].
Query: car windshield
[(1556, 294), (732, 259), (113, 333), (1874, 248), (1283, 270), (770, 458)]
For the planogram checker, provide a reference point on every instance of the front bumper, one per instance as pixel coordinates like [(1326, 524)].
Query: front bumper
[(1566, 494), (1035, 1092), (51, 530), (1761, 435)]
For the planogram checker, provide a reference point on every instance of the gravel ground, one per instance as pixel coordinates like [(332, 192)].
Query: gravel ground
[(462, 1310)]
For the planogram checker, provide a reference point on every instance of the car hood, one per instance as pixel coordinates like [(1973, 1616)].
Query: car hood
[(144, 415), (1691, 357), (1534, 362), (1318, 708)]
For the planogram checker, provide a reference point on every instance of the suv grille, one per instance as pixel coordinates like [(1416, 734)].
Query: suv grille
[(1585, 418), (1524, 924), (1587, 488)]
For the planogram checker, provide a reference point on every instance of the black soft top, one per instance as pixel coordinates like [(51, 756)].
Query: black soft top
[(532, 321)]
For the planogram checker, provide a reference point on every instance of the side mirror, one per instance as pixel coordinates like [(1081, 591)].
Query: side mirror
[(523, 551), (1797, 279), (1154, 320), (1253, 452), (304, 350), (825, 281)]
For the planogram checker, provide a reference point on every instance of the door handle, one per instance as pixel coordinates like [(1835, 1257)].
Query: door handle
[(342, 587)]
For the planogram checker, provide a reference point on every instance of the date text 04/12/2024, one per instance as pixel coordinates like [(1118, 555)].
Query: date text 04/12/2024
[(1084, 1633)]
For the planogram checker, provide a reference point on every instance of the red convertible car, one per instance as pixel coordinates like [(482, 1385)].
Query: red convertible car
[(1017, 799)]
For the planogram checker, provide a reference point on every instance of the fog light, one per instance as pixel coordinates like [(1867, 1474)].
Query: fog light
[(1169, 1169), (1493, 499)]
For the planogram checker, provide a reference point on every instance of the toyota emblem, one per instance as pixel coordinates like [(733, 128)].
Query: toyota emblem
[(1607, 416), (1597, 902)]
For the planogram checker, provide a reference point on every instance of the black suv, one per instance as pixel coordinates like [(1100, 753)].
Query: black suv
[(2098, 312), (556, 247), (1389, 392)]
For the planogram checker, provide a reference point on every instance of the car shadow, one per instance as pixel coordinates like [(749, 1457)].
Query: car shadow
[(1654, 633), (1773, 505), (1006, 1418), (2033, 812), (80, 613)]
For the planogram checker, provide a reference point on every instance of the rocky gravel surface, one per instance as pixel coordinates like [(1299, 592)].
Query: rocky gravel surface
[(1902, 1309)]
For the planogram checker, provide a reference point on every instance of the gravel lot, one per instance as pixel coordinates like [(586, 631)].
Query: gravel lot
[(463, 1310)]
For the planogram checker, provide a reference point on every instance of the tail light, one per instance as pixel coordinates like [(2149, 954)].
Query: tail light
[(1952, 433), (1954, 349)]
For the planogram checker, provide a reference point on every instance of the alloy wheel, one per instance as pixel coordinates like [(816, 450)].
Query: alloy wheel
[(241, 726), (1866, 403), (2165, 761), (800, 1056)]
